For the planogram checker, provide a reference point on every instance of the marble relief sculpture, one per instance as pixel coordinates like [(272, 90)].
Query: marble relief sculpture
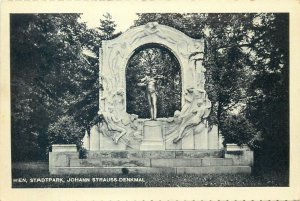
[(123, 128), (113, 124), (192, 114), (194, 111)]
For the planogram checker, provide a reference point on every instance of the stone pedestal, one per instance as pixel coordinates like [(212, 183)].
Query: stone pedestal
[(145, 162), (61, 155), (201, 137), (94, 139), (188, 142), (152, 136), (64, 148), (86, 141), (213, 140), (241, 155)]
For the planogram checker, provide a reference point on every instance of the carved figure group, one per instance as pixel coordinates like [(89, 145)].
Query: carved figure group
[(118, 123), (193, 112), (116, 53), (113, 124), (152, 28)]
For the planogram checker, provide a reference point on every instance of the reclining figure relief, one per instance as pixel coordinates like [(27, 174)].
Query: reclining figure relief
[(194, 111), (116, 123)]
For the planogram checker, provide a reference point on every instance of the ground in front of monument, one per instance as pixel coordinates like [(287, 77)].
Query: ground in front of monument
[(36, 175)]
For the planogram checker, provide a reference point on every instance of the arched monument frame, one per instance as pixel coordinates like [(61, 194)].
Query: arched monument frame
[(115, 55)]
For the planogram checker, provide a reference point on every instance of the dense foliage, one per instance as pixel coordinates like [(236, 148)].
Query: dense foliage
[(65, 131), (238, 129), (54, 77)]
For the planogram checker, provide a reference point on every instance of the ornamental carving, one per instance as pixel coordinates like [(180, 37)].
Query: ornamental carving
[(114, 55)]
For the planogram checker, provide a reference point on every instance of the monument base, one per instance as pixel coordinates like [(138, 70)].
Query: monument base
[(147, 162), (153, 136), (152, 145)]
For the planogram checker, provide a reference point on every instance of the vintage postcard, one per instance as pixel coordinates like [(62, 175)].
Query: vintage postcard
[(150, 100)]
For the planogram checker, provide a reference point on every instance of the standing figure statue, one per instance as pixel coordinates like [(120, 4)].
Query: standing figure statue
[(150, 82)]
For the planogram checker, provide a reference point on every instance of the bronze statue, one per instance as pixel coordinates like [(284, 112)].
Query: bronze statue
[(150, 82)]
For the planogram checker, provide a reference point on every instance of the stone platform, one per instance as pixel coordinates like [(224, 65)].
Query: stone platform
[(143, 162)]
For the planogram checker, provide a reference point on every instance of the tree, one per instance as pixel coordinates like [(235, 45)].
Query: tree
[(268, 105), (55, 77), (50, 78), (227, 62), (107, 27)]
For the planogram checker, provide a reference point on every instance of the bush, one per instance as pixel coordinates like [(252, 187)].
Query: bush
[(238, 129), (83, 153), (65, 131)]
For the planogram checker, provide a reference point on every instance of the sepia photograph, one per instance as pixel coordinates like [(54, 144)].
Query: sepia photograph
[(142, 99)]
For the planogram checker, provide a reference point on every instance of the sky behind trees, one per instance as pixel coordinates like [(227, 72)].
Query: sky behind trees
[(123, 20)]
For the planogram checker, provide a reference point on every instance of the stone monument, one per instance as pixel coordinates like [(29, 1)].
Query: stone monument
[(183, 143), (186, 130)]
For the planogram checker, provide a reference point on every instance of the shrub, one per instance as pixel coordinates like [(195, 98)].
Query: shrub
[(83, 153), (65, 131), (238, 129)]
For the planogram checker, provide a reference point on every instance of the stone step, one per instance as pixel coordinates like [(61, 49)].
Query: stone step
[(196, 162), (176, 162), (151, 170), (150, 162), (217, 161), (110, 162), (156, 154), (214, 170)]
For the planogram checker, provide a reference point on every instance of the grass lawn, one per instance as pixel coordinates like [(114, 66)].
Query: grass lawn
[(33, 175)]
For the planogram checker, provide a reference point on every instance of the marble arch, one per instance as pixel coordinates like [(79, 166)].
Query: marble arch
[(114, 56), (118, 130)]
